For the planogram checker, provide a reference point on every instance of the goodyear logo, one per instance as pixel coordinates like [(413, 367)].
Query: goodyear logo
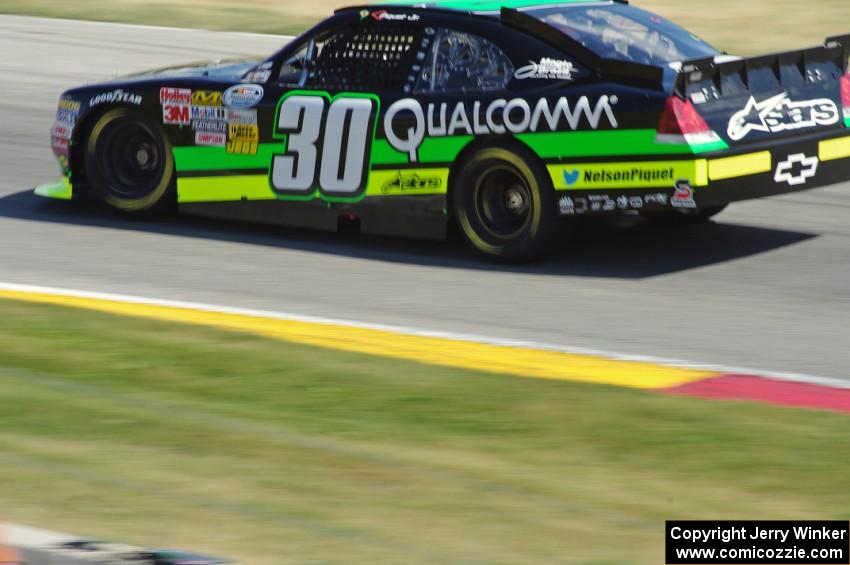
[(206, 98), (621, 175)]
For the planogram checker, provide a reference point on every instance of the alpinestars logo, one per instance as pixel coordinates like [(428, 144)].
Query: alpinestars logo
[(797, 169), (780, 113)]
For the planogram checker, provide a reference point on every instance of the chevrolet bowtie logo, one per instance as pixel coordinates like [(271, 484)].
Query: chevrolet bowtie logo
[(797, 169)]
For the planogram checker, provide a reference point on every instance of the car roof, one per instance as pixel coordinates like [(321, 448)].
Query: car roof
[(485, 6)]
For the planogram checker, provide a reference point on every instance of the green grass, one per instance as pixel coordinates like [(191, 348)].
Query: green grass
[(172, 435), (755, 26)]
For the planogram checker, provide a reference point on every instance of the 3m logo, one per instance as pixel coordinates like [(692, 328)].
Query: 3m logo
[(176, 114), (175, 106), (797, 169)]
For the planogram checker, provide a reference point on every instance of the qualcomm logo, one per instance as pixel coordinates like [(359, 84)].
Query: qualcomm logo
[(779, 113), (407, 122), (808, 168)]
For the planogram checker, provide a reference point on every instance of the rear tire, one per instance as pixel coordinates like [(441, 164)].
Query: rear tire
[(129, 163), (684, 217), (504, 204)]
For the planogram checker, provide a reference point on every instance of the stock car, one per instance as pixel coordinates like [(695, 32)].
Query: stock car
[(497, 119)]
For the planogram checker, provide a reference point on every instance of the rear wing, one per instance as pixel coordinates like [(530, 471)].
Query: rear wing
[(623, 71), (765, 72)]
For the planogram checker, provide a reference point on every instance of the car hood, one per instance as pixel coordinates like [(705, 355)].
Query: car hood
[(231, 69)]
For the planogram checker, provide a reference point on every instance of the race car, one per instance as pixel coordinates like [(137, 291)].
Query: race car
[(498, 119)]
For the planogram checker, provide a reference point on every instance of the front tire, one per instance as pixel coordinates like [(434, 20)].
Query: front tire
[(129, 163), (504, 204)]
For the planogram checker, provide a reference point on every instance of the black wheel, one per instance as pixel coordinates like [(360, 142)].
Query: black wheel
[(129, 163), (504, 204), (684, 217)]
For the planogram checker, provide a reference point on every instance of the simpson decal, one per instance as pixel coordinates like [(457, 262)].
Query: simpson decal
[(210, 139)]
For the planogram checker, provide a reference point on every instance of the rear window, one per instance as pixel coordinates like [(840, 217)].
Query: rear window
[(462, 62), (620, 31)]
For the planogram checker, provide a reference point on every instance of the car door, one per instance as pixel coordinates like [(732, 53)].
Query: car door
[(328, 100)]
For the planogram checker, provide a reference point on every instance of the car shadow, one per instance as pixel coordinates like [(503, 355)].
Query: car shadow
[(627, 247)]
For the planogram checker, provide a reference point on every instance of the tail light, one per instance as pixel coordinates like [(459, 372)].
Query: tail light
[(845, 95), (682, 124)]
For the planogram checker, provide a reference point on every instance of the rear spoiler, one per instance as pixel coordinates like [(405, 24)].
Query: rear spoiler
[(785, 68), (644, 75)]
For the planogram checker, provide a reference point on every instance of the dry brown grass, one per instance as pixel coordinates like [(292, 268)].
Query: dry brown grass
[(747, 27)]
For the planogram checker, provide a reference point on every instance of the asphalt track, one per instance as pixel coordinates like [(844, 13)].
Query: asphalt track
[(766, 286)]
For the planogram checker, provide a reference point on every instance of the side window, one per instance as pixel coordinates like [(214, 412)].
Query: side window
[(461, 62), (293, 71), (364, 57)]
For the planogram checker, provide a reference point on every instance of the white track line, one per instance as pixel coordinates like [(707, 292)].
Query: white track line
[(791, 377)]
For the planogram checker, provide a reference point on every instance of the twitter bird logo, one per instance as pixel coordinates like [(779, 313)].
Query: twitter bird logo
[(571, 177)]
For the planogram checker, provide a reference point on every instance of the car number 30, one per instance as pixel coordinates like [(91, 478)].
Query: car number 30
[(327, 145)]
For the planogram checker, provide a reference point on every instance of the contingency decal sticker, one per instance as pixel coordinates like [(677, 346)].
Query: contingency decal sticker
[(176, 106), (62, 129), (209, 118)]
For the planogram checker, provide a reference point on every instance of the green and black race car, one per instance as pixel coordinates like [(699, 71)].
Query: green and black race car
[(495, 117)]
